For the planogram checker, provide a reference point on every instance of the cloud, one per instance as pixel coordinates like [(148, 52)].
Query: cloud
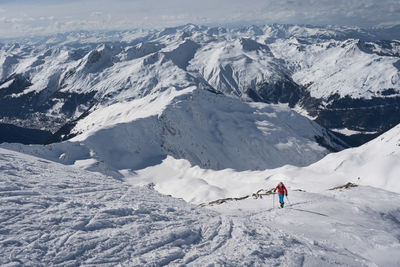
[(46, 16)]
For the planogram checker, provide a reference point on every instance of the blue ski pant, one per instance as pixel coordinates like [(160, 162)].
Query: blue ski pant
[(281, 198)]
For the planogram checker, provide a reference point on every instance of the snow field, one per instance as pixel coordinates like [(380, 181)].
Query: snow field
[(355, 227), (65, 216)]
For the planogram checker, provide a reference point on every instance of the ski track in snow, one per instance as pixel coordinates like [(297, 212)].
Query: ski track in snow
[(52, 214)]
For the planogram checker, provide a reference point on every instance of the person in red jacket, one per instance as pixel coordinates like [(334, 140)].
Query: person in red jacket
[(281, 192)]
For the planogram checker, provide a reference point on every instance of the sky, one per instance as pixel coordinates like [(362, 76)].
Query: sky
[(32, 17)]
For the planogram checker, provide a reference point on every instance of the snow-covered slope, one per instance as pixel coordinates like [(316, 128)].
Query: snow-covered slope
[(345, 68), (374, 164), (234, 66), (207, 129), (211, 131), (53, 214)]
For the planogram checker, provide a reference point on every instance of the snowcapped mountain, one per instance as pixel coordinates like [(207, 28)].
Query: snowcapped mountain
[(347, 79), (207, 129), (68, 87), (182, 92)]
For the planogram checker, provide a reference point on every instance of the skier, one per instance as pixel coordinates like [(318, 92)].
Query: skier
[(281, 192)]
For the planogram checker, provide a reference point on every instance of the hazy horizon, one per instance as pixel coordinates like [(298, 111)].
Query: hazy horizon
[(25, 18)]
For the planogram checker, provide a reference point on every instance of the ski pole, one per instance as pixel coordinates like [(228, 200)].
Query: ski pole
[(288, 200)]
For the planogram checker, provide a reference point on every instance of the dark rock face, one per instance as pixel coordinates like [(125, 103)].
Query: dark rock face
[(282, 91)]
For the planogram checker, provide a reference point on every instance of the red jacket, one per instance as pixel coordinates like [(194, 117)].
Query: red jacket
[(281, 189)]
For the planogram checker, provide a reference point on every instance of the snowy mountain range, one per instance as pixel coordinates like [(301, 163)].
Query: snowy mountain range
[(346, 79)]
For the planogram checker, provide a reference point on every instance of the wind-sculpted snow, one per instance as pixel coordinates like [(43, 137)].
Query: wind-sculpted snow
[(57, 215), (52, 214)]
